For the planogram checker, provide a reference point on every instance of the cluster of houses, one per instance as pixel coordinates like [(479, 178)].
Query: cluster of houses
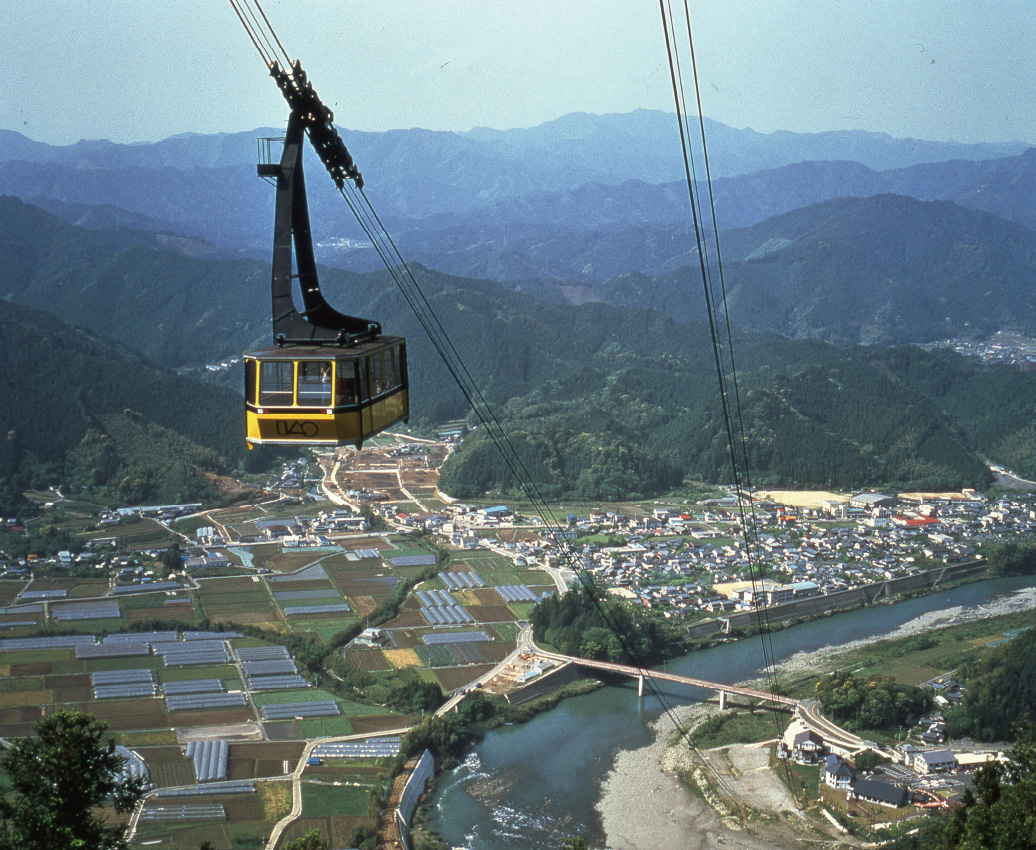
[(1000, 350), (294, 532), (688, 560), (898, 785)]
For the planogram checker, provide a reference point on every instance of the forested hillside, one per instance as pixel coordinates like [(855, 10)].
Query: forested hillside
[(83, 412), (813, 416), (1001, 692), (602, 401)]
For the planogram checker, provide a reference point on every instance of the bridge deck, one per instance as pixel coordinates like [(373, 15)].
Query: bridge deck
[(637, 672)]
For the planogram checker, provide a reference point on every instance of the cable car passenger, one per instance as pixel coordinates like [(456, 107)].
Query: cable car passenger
[(314, 383)]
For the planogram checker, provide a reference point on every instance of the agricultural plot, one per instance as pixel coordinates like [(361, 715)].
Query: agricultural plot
[(172, 611), (409, 619), (168, 766), (322, 628), (336, 828), (240, 820), (451, 656), (368, 660), (451, 678), (259, 759), (261, 553), (142, 533), (18, 622), (238, 600), (227, 673), (290, 561)]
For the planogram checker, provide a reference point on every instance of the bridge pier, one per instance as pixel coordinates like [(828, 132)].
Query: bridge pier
[(640, 686), (722, 700)]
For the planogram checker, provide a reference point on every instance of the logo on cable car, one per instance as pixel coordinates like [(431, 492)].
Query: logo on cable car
[(297, 428)]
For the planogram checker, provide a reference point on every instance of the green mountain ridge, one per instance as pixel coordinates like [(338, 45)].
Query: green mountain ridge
[(813, 417), (83, 412), (886, 269)]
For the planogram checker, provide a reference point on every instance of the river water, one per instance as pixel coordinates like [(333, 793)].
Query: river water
[(527, 787)]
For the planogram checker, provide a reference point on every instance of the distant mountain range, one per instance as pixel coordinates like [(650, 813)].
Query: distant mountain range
[(493, 181), (597, 397)]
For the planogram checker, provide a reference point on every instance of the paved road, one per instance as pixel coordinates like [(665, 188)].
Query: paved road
[(808, 711)]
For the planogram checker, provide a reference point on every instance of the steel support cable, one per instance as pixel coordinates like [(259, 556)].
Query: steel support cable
[(750, 535), (273, 32), (480, 405), (251, 34), (762, 612), (676, 81), (256, 31), (400, 271), (266, 31)]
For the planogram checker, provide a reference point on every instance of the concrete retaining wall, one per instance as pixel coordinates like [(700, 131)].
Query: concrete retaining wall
[(545, 684), (842, 600), (411, 794)]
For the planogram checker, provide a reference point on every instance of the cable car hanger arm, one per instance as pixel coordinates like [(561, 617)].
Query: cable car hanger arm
[(318, 323)]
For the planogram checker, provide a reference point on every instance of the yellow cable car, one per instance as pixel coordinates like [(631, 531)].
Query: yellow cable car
[(323, 395), (331, 379)]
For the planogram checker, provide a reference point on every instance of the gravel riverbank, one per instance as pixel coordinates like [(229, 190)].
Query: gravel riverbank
[(644, 805), (804, 663)]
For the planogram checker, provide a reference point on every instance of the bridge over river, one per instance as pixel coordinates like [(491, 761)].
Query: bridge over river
[(640, 674)]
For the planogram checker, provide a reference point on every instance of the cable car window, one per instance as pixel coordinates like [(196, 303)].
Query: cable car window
[(276, 383), (377, 373), (314, 383), (397, 372), (391, 379), (345, 390), (365, 390), (250, 371)]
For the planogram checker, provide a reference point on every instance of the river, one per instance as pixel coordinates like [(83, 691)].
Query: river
[(529, 786)]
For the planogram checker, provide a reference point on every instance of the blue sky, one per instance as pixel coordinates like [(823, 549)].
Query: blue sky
[(134, 71)]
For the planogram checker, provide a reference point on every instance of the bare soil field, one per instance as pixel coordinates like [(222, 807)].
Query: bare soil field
[(306, 584), (495, 614), (227, 585), (451, 678), (803, 498), (364, 605), (9, 590), (370, 724), (284, 731), (368, 660), (167, 614), (29, 668)]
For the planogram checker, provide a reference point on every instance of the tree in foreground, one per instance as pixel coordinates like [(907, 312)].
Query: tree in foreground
[(59, 777), (312, 840)]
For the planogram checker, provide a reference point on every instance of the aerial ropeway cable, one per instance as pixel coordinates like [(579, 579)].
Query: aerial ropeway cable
[(718, 315), (300, 94)]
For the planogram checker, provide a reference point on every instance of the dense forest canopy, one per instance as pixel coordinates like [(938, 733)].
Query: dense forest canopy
[(580, 625), (875, 702), (1001, 692), (83, 412)]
